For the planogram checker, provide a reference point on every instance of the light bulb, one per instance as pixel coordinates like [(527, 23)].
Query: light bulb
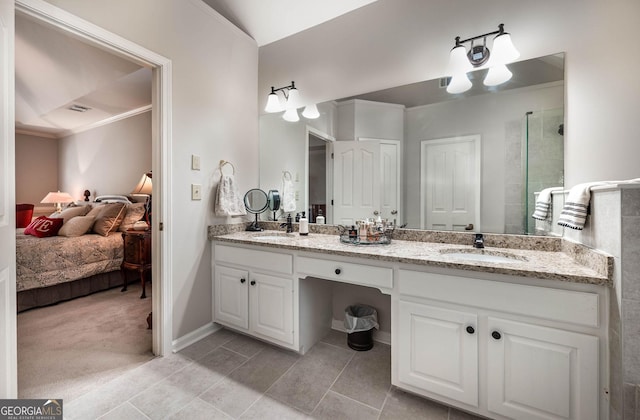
[(291, 115), (311, 112), (458, 61), (293, 101), (497, 75), (503, 50), (273, 103), (459, 83)]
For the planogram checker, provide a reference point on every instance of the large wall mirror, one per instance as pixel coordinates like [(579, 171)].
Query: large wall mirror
[(425, 158)]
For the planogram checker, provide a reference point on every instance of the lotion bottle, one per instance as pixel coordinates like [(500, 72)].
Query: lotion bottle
[(320, 218), (303, 228)]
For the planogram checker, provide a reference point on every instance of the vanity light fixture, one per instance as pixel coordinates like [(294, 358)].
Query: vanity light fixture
[(462, 61), (291, 105)]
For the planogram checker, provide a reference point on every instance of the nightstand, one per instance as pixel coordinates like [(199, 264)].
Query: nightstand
[(137, 255)]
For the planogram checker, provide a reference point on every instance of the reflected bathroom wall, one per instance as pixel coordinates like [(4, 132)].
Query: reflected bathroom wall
[(535, 147)]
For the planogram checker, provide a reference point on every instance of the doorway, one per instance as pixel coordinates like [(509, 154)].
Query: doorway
[(319, 175), (161, 156)]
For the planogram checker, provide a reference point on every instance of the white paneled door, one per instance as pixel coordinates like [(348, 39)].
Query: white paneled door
[(8, 340), (356, 180), (450, 183)]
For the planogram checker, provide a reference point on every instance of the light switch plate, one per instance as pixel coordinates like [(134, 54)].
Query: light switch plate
[(196, 192), (195, 162)]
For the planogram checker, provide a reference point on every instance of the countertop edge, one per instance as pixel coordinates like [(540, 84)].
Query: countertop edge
[(595, 279)]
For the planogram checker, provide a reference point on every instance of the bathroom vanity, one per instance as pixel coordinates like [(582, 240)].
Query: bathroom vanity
[(502, 332)]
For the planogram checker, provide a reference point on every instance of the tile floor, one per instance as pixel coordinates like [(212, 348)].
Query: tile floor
[(228, 375)]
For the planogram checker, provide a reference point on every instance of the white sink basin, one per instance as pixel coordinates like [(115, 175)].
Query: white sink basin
[(481, 255), (270, 236)]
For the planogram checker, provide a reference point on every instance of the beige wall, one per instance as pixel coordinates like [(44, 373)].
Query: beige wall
[(106, 160), (214, 115), (36, 168), (396, 42)]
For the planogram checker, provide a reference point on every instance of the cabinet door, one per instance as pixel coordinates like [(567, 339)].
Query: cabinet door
[(271, 303), (438, 352), (538, 372), (231, 299)]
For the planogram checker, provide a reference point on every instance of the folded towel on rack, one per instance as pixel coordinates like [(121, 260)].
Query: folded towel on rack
[(228, 201), (288, 196), (576, 205), (543, 203)]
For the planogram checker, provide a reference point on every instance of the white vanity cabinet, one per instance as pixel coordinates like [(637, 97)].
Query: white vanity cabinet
[(254, 292), (503, 350)]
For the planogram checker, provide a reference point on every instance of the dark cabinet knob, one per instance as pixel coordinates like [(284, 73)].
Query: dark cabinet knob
[(470, 329), (253, 282), (338, 271), (243, 280), (496, 335)]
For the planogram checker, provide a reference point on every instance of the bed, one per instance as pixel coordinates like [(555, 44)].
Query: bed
[(58, 268)]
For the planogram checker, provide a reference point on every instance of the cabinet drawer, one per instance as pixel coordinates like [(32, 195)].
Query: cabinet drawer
[(574, 307), (262, 260), (362, 274)]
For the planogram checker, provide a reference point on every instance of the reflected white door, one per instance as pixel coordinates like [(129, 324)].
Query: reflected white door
[(356, 180), (390, 181), (8, 340), (450, 183)]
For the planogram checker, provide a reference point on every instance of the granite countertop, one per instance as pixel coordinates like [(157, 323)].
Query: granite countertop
[(552, 265)]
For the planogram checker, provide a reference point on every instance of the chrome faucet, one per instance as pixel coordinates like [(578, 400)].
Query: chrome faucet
[(478, 242), (288, 224)]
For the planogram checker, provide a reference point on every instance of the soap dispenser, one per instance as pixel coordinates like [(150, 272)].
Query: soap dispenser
[(320, 218), (303, 228)]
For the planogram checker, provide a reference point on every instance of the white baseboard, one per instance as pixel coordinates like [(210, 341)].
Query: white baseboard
[(195, 335), (379, 336)]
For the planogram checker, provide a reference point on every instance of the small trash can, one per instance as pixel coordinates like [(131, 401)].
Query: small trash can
[(359, 321)]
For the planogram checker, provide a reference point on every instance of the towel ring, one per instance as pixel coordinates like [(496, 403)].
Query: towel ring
[(285, 174), (223, 163)]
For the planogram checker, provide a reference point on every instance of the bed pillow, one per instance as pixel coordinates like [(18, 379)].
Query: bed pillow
[(134, 213), (77, 226), (109, 218), (71, 212), (43, 227)]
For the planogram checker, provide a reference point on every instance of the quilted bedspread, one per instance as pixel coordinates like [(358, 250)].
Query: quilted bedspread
[(42, 262)]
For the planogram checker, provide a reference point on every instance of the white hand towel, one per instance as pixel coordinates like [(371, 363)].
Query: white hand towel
[(288, 196), (574, 212), (543, 203), (229, 202)]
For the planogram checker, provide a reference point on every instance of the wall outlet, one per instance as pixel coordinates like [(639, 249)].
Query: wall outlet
[(195, 162), (196, 192)]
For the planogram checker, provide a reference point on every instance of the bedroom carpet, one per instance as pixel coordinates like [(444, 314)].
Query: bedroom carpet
[(65, 350)]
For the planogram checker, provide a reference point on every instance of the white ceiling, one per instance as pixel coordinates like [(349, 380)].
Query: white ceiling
[(54, 71), (267, 21)]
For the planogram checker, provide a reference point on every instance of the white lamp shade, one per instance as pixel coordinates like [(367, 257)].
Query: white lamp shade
[(144, 186), (503, 50), (497, 75), (459, 83), (57, 197), (458, 61), (273, 103), (293, 101), (311, 112), (291, 115)]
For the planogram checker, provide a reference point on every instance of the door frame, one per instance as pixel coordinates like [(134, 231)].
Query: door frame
[(329, 177), (476, 140), (161, 147)]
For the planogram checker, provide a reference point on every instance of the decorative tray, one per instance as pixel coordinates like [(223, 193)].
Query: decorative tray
[(380, 239)]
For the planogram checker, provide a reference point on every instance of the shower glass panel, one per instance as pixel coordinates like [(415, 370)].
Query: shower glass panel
[(542, 163)]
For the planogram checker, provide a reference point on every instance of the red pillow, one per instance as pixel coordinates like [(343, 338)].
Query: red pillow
[(44, 226)]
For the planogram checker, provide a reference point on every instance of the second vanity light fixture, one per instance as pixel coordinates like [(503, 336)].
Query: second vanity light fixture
[(461, 62), (292, 103)]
